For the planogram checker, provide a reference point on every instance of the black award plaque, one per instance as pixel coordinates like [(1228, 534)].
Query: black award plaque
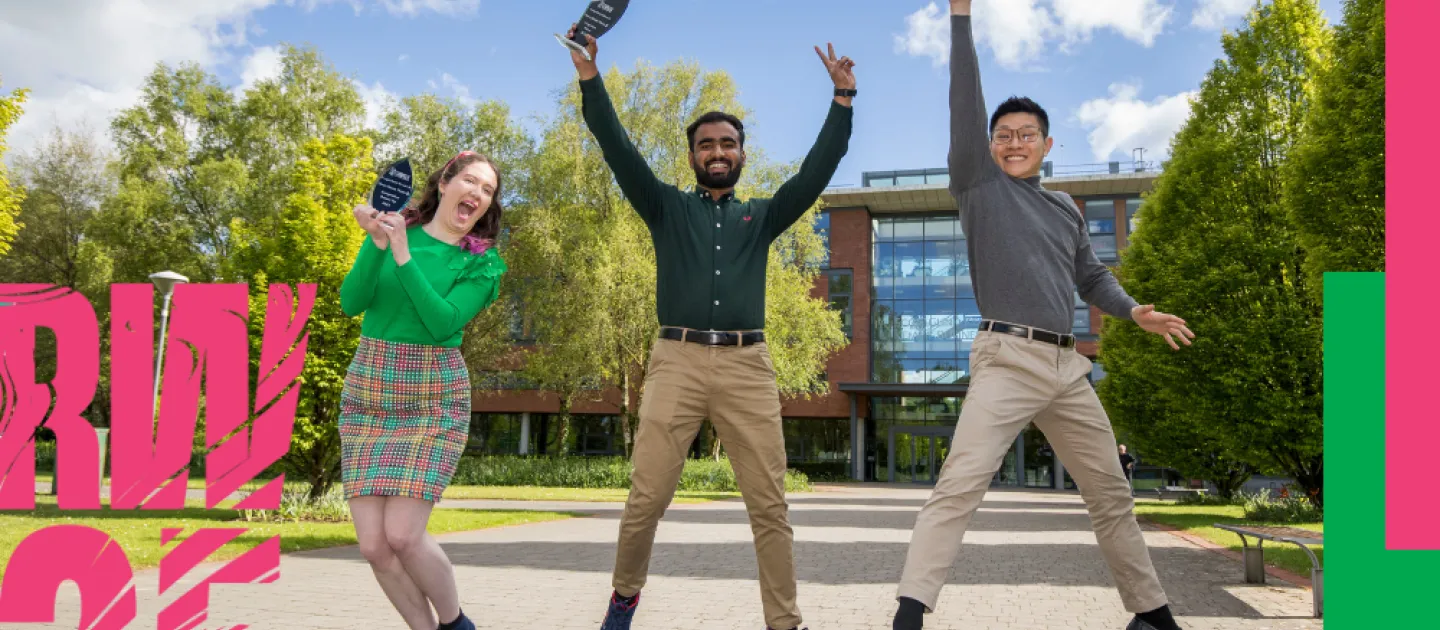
[(597, 20), (392, 191)]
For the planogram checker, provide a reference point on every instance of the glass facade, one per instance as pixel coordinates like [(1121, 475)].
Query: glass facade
[(1100, 218), (924, 316), (502, 433)]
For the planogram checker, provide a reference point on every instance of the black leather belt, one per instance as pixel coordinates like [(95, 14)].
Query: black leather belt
[(712, 337), (1064, 341)]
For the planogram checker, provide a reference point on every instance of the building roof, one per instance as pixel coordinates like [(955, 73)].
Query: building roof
[(936, 197)]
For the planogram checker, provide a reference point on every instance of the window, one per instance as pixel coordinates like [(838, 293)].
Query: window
[(822, 227), (1082, 316), (842, 289), (1132, 207), (1100, 220)]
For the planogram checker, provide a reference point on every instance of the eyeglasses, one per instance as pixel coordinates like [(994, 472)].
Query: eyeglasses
[(1027, 136)]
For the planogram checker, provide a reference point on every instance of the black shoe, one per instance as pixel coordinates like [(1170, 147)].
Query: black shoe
[(461, 623), (620, 613), (1139, 624)]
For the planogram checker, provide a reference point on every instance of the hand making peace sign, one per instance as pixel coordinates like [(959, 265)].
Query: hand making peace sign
[(841, 70)]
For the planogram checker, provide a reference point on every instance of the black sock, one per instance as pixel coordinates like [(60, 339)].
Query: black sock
[(453, 623), (910, 616), (1160, 618), (628, 601)]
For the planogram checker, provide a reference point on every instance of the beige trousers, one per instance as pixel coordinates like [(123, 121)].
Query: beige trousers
[(1015, 381), (735, 388)]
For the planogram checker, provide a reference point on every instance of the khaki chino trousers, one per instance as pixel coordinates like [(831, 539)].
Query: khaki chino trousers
[(735, 388), (1015, 381)]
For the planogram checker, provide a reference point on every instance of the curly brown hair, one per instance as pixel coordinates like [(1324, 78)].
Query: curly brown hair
[(487, 229)]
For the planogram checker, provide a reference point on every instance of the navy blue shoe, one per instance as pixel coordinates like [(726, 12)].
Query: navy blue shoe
[(461, 623), (620, 613)]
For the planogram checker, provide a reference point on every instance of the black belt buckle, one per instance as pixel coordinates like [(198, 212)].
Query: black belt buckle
[(713, 338)]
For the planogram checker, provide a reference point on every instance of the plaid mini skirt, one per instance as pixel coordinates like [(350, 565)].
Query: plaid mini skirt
[(404, 419)]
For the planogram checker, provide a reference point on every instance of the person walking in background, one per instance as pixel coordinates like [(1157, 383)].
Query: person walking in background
[(1127, 464), (405, 405)]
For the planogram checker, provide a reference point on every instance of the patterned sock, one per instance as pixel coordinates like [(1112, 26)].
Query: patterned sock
[(911, 615), (1160, 618)]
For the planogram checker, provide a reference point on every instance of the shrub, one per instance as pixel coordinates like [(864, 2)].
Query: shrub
[(330, 508), (1208, 499), (1284, 509), (699, 475)]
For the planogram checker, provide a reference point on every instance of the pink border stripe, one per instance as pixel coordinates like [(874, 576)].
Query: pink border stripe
[(1411, 225)]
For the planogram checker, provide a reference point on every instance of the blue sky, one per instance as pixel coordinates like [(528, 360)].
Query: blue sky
[(1112, 73)]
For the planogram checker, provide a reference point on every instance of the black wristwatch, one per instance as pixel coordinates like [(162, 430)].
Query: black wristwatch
[(845, 92)]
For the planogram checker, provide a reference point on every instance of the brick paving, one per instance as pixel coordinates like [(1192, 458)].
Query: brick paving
[(1030, 561)]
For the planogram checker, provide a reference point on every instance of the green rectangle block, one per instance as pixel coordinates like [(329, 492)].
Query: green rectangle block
[(1366, 585)]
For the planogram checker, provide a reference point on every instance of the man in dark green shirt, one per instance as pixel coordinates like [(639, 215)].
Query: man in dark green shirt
[(710, 360)]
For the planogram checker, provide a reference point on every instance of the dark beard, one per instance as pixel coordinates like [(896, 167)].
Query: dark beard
[(704, 178)]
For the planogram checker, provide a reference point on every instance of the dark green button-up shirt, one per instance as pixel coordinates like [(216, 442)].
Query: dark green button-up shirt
[(711, 255)]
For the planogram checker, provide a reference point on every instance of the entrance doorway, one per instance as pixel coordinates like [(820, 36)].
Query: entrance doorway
[(918, 452)]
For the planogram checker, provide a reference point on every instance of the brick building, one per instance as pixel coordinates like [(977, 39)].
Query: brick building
[(897, 269)]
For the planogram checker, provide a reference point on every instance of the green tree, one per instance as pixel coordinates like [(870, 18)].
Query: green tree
[(587, 261), (10, 196), (1335, 180), (66, 183), (181, 181), (1214, 246), (314, 239)]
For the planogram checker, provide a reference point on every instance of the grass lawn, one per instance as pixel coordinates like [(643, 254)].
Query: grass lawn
[(1199, 519), (534, 493), (138, 533)]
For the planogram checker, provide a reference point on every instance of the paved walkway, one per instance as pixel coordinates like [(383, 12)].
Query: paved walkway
[(1030, 561)]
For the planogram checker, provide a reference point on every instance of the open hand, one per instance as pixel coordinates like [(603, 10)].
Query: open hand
[(841, 70), (1164, 324), (368, 219)]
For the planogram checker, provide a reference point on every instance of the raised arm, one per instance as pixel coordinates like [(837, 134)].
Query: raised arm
[(970, 161), (798, 193), (636, 180), (358, 288)]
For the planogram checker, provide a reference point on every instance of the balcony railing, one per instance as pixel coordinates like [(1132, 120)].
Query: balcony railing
[(934, 176)]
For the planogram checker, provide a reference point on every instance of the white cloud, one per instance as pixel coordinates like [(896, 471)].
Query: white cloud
[(927, 34), (262, 65), (1123, 122), (404, 58), (460, 90), (377, 101), (1017, 31), (1140, 21), (1212, 14), (84, 60)]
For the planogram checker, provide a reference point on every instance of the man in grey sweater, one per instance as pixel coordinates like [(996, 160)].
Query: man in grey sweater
[(1029, 249)]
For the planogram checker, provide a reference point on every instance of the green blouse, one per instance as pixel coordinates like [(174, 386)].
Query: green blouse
[(428, 300)]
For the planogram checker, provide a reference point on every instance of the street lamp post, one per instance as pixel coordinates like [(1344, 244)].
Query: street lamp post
[(165, 281)]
